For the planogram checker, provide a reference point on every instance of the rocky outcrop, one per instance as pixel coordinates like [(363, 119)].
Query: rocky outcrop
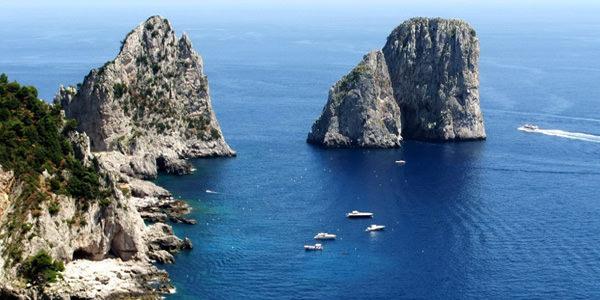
[(361, 110), (434, 68), (107, 248), (431, 66), (150, 103)]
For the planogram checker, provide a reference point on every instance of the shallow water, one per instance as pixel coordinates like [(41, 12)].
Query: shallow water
[(515, 216)]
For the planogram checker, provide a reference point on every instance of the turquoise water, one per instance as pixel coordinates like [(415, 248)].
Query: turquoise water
[(515, 216)]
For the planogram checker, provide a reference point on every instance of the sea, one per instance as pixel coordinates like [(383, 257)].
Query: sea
[(516, 216)]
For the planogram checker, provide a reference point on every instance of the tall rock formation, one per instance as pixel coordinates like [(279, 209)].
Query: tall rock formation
[(361, 110), (432, 68), (151, 102)]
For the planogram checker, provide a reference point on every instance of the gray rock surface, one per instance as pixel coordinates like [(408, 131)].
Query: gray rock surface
[(434, 69), (107, 247), (361, 110), (427, 88), (151, 101)]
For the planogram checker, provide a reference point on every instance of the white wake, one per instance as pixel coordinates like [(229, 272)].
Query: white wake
[(586, 137)]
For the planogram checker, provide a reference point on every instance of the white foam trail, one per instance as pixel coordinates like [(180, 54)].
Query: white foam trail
[(566, 134), (211, 192)]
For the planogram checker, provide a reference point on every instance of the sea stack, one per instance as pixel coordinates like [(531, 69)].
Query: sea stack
[(150, 103), (361, 110), (432, 66)]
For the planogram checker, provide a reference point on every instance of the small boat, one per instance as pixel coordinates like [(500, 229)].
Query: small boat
[(400, 162), (325, 236), (314, 247), (375, 227), (529, 127), (359, 214)]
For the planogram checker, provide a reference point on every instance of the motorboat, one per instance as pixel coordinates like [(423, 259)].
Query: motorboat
[(375, 227), (315, 247), (325, 236), (529, 127), (359, 214), (400, 162)]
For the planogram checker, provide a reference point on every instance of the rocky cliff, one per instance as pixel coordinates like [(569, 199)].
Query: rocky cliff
[(70, 225), (150, 103), (361, 110), (432, 68)]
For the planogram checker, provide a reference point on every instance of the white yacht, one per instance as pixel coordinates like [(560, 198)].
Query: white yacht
[(359, 214), (529, 127), (325, 236), (400, 162), (314, 247), (375, 227)]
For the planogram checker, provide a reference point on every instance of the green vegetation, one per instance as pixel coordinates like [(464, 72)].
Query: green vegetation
[(41, 268), (119, 89), (214, 134), (349, 80), (33, 137)]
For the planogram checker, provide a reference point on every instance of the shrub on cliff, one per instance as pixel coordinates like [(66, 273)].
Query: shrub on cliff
[(41, 268)]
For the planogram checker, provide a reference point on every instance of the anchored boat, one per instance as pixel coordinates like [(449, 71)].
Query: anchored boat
[(325, 236), (359, 214), (314, 247), (400, 162), (375, 227)]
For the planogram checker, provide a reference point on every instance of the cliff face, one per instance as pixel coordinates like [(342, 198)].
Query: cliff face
[(151, 102), (361, 110), (432, 67)]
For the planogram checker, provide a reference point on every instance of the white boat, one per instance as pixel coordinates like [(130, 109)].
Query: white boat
[(325, 236), (359, 214), (529, 127), (314, 247), (400, 162), (375, 227)]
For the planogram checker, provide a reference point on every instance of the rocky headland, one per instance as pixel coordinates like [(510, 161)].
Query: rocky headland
[(73, 198), (431, 70), (151, 104)]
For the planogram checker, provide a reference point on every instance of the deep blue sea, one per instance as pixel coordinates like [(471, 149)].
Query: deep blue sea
[(515, 216)]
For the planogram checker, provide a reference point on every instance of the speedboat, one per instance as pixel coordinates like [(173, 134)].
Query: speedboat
[(375, 227), (325, 236), (529, 127), (314, 247), (400, 162), (359, 214)]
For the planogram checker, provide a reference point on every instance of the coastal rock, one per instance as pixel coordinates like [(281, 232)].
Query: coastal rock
[(173, 165), (361, 110), (151, 102), (423, 85), (110, 279), (160, 239), (434, 69)]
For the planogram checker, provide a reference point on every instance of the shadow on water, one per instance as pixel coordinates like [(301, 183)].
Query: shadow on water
[(431, 205)]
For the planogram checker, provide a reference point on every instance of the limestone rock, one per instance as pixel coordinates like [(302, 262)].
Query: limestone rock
[(160, 238), (110, 279), (361, 110), (434, 69), (151, 101), (424, 86)]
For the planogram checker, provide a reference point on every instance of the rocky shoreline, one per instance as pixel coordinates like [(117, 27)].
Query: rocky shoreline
[(147, 111)]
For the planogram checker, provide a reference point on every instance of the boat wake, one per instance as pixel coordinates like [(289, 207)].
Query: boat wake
[(564, 134)]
